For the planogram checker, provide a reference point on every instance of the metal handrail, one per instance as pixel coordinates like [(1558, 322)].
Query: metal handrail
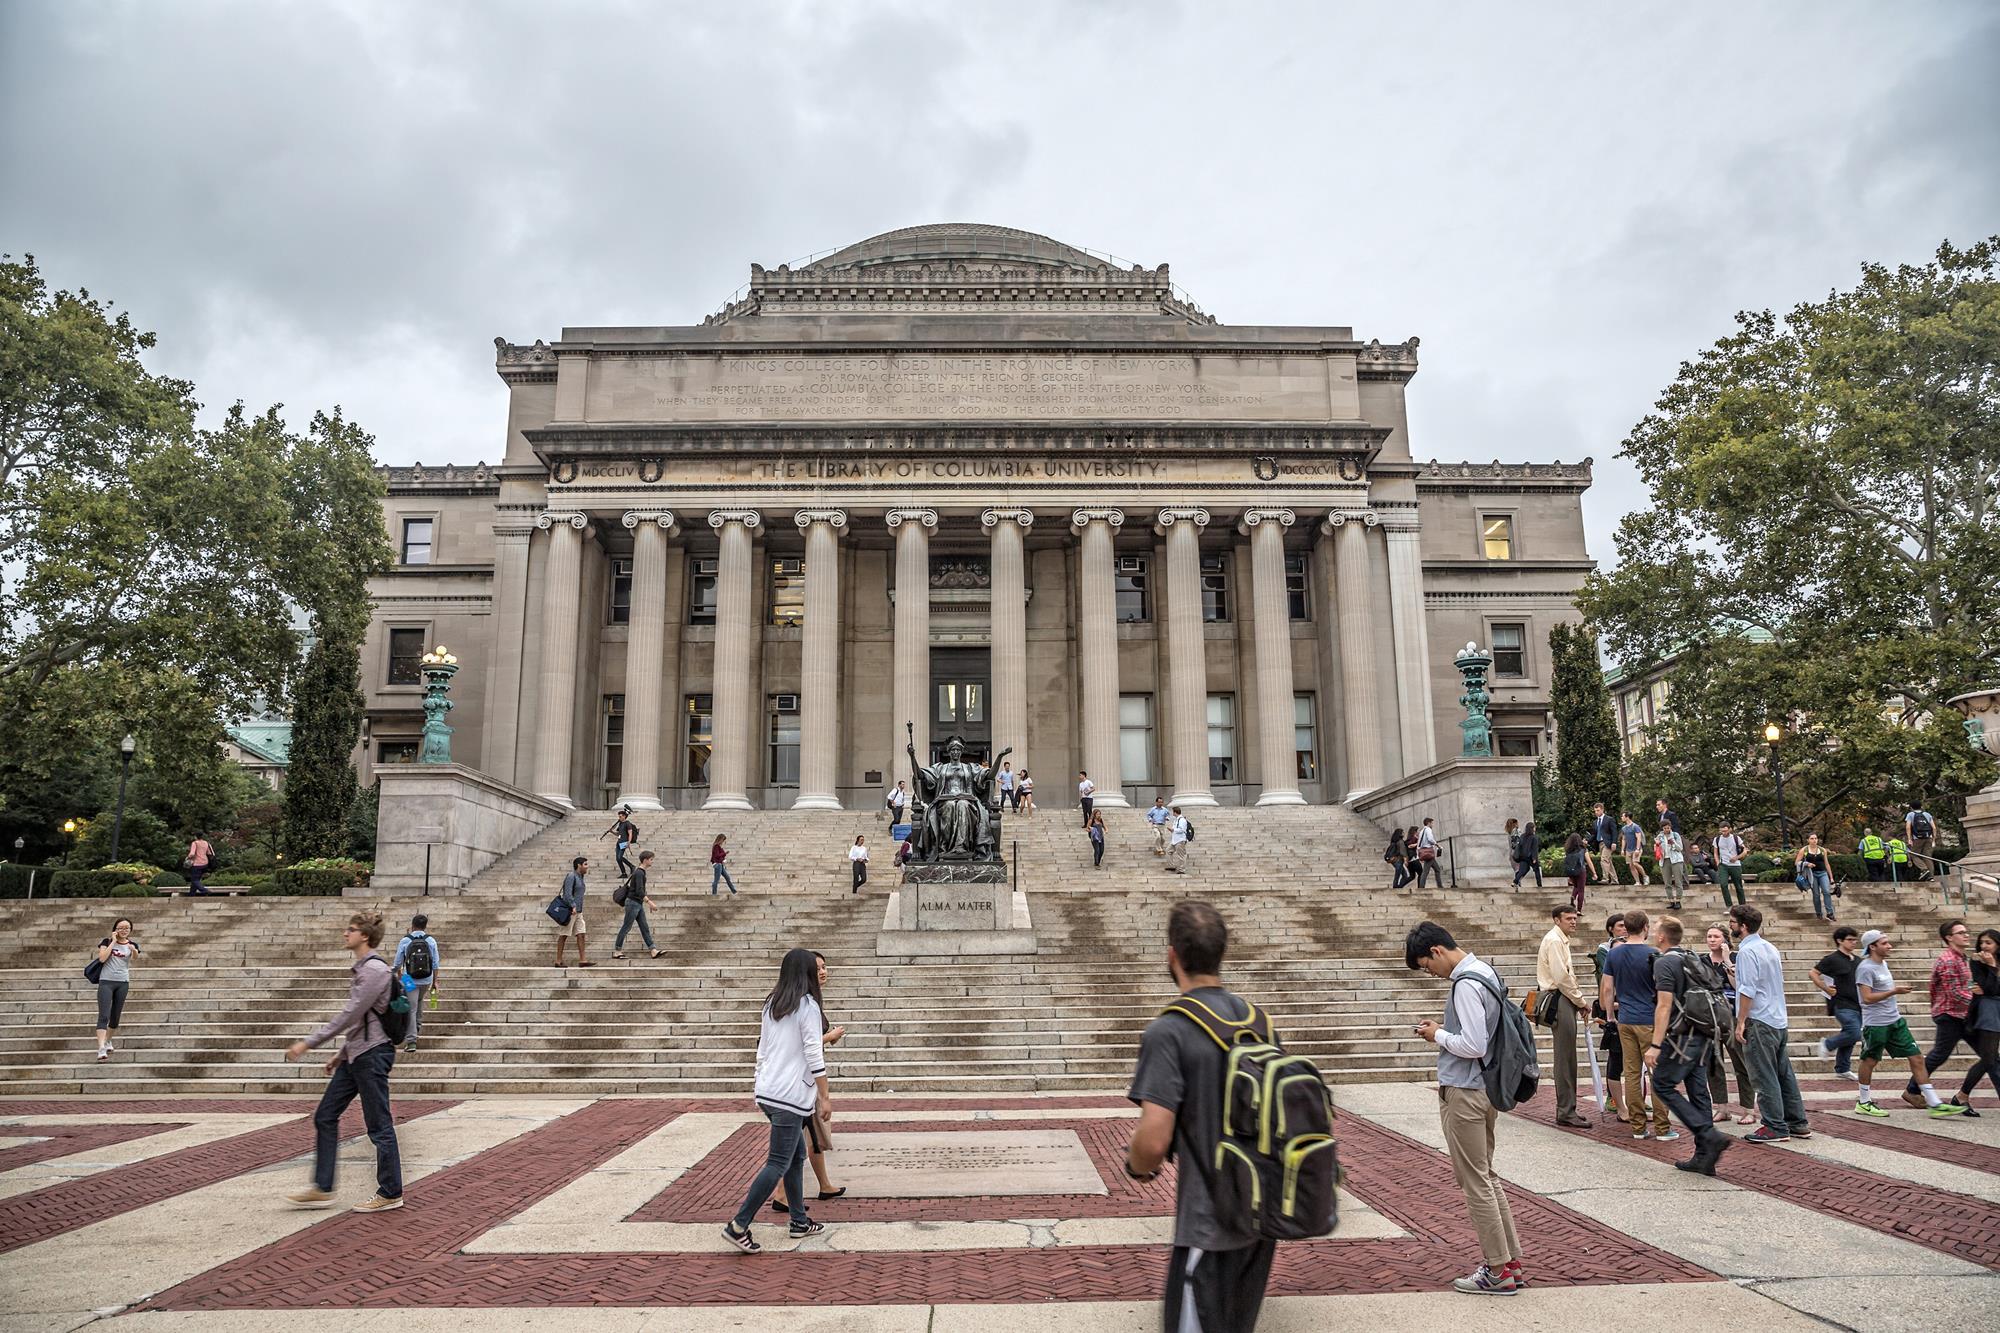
[(1942, 871)]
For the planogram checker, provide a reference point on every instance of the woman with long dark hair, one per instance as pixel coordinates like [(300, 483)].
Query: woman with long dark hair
[(1985, 1024), (1397, 857), (115, 953), (1576, 867), (817, 1138), (790, 1088)]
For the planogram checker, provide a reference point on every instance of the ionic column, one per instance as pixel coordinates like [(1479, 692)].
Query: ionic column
[(819, 660), (911, 690), (1361, 711), (1276, 746), (1186, 714), (499, 755), (1097, 643), (557, 711), (645, 650), (1010, 629), (729, 769), (1413, 655)]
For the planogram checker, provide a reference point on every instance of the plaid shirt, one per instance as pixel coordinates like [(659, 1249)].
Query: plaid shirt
[(1951, 985)]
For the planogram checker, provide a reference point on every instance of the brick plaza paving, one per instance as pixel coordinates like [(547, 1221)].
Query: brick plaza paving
[(524, 1213)]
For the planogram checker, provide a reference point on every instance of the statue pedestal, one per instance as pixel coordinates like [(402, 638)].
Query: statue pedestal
[(955, 908)]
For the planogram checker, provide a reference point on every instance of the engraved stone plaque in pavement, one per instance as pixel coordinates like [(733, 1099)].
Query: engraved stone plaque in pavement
[(895, 1165)]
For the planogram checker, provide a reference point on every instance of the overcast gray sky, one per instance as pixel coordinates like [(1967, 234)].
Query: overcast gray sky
[(344, 202)]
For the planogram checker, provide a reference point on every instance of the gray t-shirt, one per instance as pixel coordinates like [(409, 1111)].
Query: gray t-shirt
[(1875, 976), (118, 967), (1180, 1068)]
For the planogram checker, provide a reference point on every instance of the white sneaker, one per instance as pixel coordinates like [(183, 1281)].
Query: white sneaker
[(1847, 1074)]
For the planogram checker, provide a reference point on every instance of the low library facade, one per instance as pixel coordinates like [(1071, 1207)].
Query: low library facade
[(977, 481)]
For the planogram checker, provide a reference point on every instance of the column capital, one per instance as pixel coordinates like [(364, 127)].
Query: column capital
[(989, 518), (749, 518), (1340, 518), (896, 518), (1251, 518), (1083, 518), (1400, 516), (550, 518), (833, 518), (1193, 515), (664, 518)]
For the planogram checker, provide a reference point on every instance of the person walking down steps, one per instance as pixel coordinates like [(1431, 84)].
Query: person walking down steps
[(717, 854), (857, 855), (631, 895), (628, 837)]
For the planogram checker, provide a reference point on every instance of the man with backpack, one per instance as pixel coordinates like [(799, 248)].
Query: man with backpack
[(1692, 1010), (416, 969), (360, 1069), (1920, 831), (1475, 1015), (1627, 995), (1227, 1216), (1180, 834)]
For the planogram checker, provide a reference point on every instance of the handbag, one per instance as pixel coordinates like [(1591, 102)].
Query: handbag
[(1986, 1014), (560, 911), (93, 971), (1541, 1006), (1427, 853)]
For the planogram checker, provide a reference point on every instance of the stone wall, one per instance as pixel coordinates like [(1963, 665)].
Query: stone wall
[(463, 818)]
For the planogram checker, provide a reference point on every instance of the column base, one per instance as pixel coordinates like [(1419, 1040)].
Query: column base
[(1192, 798), (1288, 797), (1115, 802), (727, 801), (817, 803), (638, 803)]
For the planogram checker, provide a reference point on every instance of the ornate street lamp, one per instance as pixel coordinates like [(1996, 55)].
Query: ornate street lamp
[(1773, 733), (69, 834), (125, 749), (438, 667), (1476, 729)]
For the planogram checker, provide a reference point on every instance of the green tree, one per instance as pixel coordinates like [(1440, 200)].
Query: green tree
[(1587, 749), (1832, 478), (326, 722)]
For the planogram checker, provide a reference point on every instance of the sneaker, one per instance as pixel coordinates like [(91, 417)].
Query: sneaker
[(1642, 1134), (803, 1227), (311, 1197), (1518, 1273), (378, 1204), (1945, 1110), (1485, 1282), (1847, 1074), (1670, 1136), (103, 1054), (1825, 1045), (1915, 1101), (1763, 1134), (1801, 1133), (1871, 1110), (740, 1239)]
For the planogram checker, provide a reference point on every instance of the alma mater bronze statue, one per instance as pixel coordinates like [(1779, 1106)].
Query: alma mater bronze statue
[(955, 815)]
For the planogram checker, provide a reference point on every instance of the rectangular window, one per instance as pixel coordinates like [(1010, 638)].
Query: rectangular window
[(1656, 694), (788, 591), (396, 752), (621, 592), (614, 739), (1134, 606), (1298, 590), (406, 649), (1510, 651), (701, 590), (1518, 745), (960, 702), (784, 740), (1222, 738), (1214, 588), (1135, 737), (417, 541), (1496, 536), (1305, 737), (699, 710)]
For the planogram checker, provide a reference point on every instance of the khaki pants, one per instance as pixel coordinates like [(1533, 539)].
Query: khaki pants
[(1468, 1120), (1633, 1041), (1159, 839), (1177, 855), (1604, 865)]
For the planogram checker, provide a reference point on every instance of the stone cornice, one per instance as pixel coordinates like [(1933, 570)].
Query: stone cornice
[(896, 518), (666, 439), (1467, 477), (833, 518), (993, 517), (447, 479), (1395, 361)]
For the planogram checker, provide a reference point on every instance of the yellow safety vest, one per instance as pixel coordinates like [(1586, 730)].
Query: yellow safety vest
[(1899, 851), (1872, 848)]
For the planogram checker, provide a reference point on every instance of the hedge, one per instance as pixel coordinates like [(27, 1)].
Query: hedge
[(87, 883), (14, 879), (140, 871), (303, 881), (133, 891), (357, 872), (167, 879)]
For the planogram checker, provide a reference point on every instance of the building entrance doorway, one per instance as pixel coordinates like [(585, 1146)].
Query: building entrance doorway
[(961, 701)]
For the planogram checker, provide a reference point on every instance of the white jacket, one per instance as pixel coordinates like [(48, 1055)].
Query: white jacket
[(790, 1058)]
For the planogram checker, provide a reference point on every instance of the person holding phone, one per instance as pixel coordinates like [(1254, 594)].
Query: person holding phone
[(115, 953)]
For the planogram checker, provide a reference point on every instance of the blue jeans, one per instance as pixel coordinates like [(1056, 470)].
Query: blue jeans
[(1686, 1062), (786, 1162), (1778, 1100), (635, 910), (721, 876), (1822, 892), (1841, 1045), (366, 1076)]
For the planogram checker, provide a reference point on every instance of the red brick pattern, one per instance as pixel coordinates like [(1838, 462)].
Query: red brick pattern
[(715, 1187), (1955, 1224), (43, 1213), (411, 1257), (67, 1140), (1839, 1121)]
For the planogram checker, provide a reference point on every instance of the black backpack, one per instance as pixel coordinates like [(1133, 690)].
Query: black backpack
[(1510, 1069), (1190, 830), (1921, 826), (1703, 1007), (417, 958), (1276, 1169)]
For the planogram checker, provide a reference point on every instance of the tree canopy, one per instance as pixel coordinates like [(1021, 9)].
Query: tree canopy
[(1831, 477)]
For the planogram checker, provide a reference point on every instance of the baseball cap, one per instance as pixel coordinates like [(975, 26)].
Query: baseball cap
[(1868, 938)]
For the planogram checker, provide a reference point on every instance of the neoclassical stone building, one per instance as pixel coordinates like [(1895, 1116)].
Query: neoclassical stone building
[(986, 484)]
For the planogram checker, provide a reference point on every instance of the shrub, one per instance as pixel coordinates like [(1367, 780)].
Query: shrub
[(143, 837), (87, 883), (140, 872), (236, 880), (357, 872), (133, 891), (307, 881), (168, 879), (1756, 863)]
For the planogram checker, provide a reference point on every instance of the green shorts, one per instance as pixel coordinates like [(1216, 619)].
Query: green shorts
[(1893, 1040)]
